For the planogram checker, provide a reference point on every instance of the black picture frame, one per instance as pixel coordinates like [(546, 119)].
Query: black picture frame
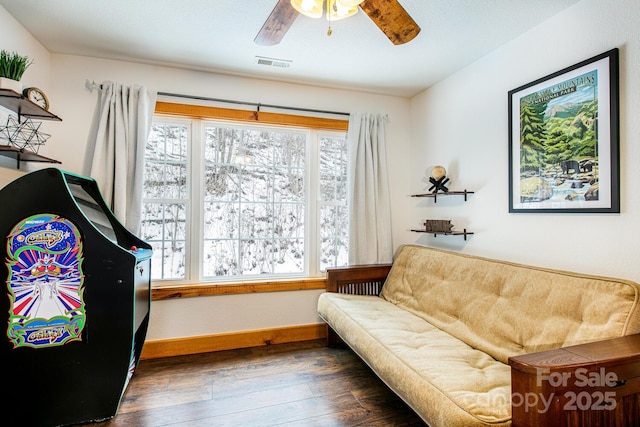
[(564, 140)]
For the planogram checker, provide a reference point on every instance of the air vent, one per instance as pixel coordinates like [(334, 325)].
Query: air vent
[(273, 62)]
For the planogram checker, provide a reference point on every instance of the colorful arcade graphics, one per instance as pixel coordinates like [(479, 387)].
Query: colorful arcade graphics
[(45, 283), (76, 301)]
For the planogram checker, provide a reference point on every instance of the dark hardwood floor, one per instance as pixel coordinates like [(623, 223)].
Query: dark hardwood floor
[(300, 384)]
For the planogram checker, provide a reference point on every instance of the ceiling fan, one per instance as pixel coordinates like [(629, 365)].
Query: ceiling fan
[(389, 15)]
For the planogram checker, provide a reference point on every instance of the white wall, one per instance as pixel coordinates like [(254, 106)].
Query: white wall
[(461, 123), (13, 37), (75, 105)]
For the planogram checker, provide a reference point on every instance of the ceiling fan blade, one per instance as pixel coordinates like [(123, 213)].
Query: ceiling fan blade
[(277, 24), (392, 19)]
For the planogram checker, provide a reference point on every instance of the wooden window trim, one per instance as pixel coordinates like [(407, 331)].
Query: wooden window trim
[(248, 116), (160, 292), (164, 292)]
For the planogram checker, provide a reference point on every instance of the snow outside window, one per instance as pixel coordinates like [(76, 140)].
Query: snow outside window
[(225, 201)]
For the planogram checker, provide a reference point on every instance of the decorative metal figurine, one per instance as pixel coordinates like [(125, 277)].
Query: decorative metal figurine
[(23, 135), (438, 178)]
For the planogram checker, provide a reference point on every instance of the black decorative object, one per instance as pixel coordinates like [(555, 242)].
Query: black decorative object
[(23, 135), (438, 178)]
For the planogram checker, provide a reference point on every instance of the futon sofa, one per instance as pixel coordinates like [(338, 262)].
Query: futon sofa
[(471, 341)]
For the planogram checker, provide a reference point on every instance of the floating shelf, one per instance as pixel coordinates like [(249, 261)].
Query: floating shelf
[(23, 155), (463, 193), (19, 104), (15, 101), (448, 193), (449, 233)]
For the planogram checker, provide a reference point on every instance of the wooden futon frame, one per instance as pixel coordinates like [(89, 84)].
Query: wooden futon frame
[(593, 384)]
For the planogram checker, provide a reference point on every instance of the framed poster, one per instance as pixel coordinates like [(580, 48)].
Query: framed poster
[(564, 140)]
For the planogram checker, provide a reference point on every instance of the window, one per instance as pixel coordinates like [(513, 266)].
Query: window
[(165, 198), (230, 200)]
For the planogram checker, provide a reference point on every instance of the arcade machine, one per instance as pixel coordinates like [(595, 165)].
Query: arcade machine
[(76, 302)]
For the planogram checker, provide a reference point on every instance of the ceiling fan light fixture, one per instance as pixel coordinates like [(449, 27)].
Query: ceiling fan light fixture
[(340, 9), (310, 8), (349, 3), (388, 15)]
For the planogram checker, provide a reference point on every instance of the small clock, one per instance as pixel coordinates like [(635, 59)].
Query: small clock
[(36, 96)]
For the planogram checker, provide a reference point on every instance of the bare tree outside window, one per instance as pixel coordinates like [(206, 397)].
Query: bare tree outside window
[(254, 203), (334, 216), (255, 198), (164, 213)]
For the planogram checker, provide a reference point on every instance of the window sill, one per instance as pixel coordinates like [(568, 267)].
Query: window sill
[(160, 292)]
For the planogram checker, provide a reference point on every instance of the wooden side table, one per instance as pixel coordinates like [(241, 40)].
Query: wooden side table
[(593, 384)]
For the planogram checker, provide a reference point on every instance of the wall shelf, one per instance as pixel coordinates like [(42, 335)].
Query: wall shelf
[(464, 233), (23, 155), (15, 101), (19, 104), (463, 193), (449, 193)]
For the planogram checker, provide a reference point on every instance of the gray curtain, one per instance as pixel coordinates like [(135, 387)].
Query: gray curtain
[(369, 202), (115, 149)]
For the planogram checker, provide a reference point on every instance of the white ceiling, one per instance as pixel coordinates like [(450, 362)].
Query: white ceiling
[(217, 35)]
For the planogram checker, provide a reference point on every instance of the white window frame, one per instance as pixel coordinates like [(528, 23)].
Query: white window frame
[(195, 205)]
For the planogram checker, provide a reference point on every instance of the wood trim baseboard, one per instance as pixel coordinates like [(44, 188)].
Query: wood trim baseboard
[(234, 340)]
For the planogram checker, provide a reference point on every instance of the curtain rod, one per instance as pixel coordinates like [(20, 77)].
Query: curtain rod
[(257, 105)]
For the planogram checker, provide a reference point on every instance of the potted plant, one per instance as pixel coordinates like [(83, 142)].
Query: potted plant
[(12, 66)]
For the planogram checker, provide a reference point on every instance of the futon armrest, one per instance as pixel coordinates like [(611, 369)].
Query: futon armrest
[(357, 279), (593, 384)]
